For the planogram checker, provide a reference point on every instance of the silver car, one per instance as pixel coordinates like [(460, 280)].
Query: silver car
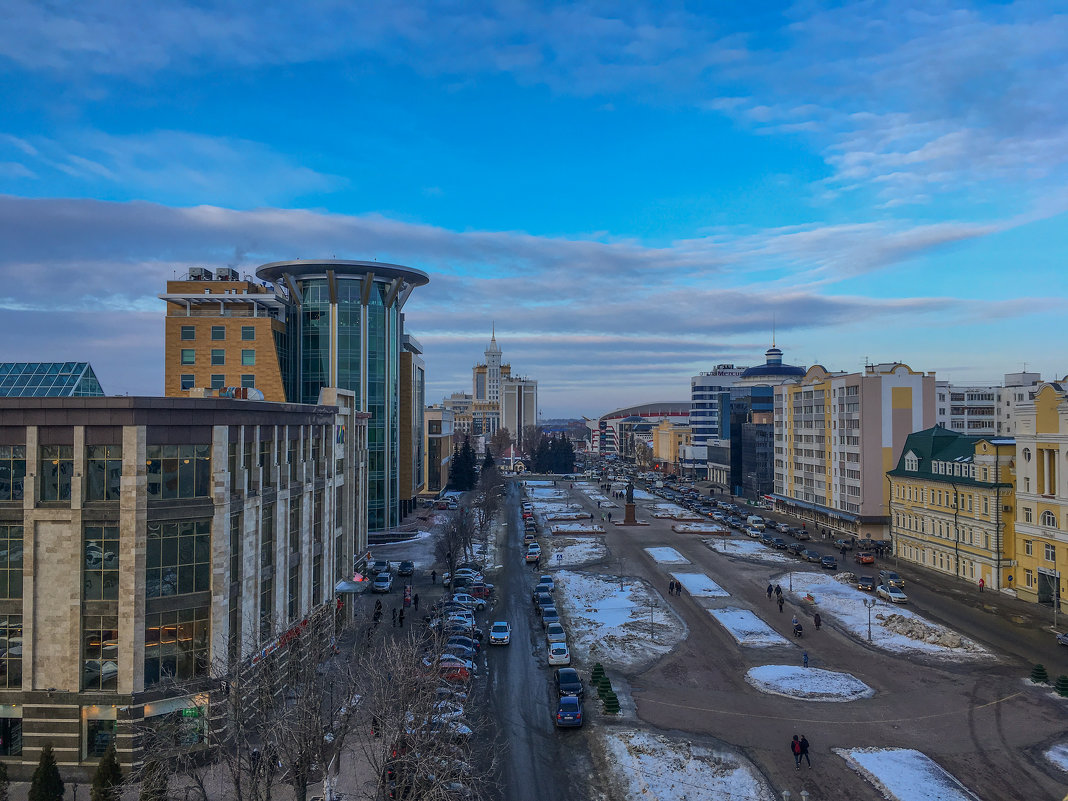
[(554, 632)]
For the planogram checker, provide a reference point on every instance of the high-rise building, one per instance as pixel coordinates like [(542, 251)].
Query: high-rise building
[(709, 421), (967, 409), (1017, 388), (305, 325), (837, 435), (412, 441), (519, 407), (438, 428)]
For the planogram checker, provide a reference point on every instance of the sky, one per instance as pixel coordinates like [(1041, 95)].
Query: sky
[(631, 193)]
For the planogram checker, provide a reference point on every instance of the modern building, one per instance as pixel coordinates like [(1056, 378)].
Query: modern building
[(148, 540), (1042, 494), (459, 405), (412, 438), (48, 380), (709, 420), (298, 327), (836, 437), (951, 505), (611, 431), (967, 410), (519, 407), (439, 432), (1018, 388)]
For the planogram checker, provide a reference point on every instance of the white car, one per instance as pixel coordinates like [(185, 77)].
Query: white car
[(500, 633), (383, 582), (470, 601), (558, 654), (891, 594), (754, 533), (533, 552), (554, 632), (467, 618)]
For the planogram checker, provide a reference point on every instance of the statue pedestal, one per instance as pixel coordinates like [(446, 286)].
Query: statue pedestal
[(628, 517)]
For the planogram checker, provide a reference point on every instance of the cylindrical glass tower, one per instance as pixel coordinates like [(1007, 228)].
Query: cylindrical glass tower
[(344, 324)]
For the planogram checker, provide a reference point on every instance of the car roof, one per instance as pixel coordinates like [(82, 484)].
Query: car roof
[(567, 672), (569, 700)]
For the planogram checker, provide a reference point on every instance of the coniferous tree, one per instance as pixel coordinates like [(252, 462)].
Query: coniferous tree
[(46, 784), (107, 779), (5, 782)]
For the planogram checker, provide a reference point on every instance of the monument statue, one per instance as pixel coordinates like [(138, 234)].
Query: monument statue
[(630, 492)]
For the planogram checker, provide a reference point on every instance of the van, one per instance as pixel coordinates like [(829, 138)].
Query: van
[(755, 521)]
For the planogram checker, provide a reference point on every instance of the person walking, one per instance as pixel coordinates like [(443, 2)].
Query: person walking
[(415, 600), (804, 658), (778, 590), (400, 620), (771, 591), (394, 617), (804, 751), (982, 583), (433, 577), (795, 749), (671, 587), (781, 602), (817, 620)]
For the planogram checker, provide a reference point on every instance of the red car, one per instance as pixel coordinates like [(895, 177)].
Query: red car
[(864, 558), (480, 591), (452, 671)]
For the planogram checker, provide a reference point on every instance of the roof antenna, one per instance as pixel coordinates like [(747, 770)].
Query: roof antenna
[(773, 330)]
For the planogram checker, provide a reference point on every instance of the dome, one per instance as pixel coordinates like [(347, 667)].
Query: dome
[(773, 367)]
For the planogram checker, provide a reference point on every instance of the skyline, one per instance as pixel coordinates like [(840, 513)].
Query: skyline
[(633, 198)]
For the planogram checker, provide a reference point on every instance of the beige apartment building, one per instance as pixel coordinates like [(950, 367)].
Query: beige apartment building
[(837, 435)]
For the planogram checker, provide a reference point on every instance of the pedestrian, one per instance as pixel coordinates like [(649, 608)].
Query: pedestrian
[(795, 749), (781, 602), (817, 620), (678, 588), (400, 618), (771, 591), (778, 590), (982, 583), (804, 658), (433, 577), (843, 551), (804, 751), (671, 587), (394, 617), (415, 600), (794, 621)]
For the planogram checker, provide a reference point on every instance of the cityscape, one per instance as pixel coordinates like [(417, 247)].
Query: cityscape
[(533, 401)]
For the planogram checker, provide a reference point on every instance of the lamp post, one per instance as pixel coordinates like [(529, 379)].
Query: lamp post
[(652, 628), (870, 603)]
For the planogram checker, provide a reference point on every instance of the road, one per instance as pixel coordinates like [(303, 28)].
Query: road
[(538, 762)]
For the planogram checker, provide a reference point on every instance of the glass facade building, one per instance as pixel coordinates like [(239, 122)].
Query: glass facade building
[(345, 328), (48, 380)]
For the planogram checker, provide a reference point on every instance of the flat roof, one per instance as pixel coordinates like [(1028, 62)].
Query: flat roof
[(299, 268)]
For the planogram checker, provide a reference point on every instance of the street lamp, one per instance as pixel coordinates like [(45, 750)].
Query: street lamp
[(870, 603), (652, 628)]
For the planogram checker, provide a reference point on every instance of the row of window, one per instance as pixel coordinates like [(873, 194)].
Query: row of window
[(217, 381), (1049, 551), (218, 357), (1047, 518), (218, 332)]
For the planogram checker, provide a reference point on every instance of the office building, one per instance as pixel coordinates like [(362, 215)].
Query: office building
[(439, 431), (951, 505), (709, 420), (412, 440), (519, 407), (149, 539), (836, 437), (48, 380)]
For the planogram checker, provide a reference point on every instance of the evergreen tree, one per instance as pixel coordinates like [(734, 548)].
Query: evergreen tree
[(107, 779), (5, 782), (487, 461), (454, 467), (46, 784)]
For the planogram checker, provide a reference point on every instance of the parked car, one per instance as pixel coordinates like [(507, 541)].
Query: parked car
[(778, 542), (866, 583), (892, 594), (500, 633), (568, 711), (379, 566), (1062, 639), (796, 548), (480, 591), (470, 601), (847, 544), (538, 590), (406, 568), (752, 532), (891, 579), (559, 654), (459, 639), (829, 562), (554, 632), (569, 682), (529, 537), (545, 578), (461, 651), (533, 552), (549, 615), (812, 556), (542, 599), (864, 558), (457, 616), (801, 534), (383, 583)]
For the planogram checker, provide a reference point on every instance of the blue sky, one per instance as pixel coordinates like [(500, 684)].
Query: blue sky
[(634, 193)]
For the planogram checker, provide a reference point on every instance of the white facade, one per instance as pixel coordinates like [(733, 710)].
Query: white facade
[(519, 406), (1019, 388), (969, 410)]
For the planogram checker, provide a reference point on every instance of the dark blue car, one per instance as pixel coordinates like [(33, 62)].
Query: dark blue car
[(569, 711)]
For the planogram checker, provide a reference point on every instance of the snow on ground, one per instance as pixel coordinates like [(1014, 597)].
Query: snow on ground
[(642, 495), (570, 552), (700, 586), (539, 483), (419, 549), (699, 528), (808, 684), (554, 516), (747, 628), (902, 774), (846, 605), (1058, 755), (597, 496), (651, 767), (746, 549), (671, 510), (667, 556), (546, 494), (612, 625), (576, 528)]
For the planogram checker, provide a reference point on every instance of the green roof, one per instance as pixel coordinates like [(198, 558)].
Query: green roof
[(938, 444)]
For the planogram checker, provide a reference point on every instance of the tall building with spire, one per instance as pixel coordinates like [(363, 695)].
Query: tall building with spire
[(498, 399)]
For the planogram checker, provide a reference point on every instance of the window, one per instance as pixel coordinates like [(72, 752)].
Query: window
[(1029, 547), (101, 570), (248, 380), (218, 356), (11, 658), (218, 381), (218, 332), (11, 562), (188, 332), (1051, 552), (1049, 519), (295, 518), (1028, 514), (248, 332), (248, 358), (1029, 578), (12, 472), (100, 652), (267, 571), (178, 558), (911, 462), (1027, 454), (103, 473), (189, 356), (178, 471), (100, 725), (10, 729), (176, 644), (57, 467), (188, 381)]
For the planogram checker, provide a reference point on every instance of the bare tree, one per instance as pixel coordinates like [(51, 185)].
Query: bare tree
[(500, 441), (455, 537)]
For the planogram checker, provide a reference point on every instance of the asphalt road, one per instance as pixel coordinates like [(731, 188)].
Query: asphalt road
[(538, 762)]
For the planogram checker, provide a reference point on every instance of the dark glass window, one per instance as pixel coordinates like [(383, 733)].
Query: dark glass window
[(248, 380), (267, 561), (179, 471), (293, 597), (189, 356), (103, 473), (177, 644), (100, 652), (101, 571), (218, 380), (189, 332), (248, 332), (10, 561), (178, 558), (248, 358), (218, 356), (99, 734), (57, 467), (188, 381), (218, 332), (11, 735), (12, 472), (267, 459), (11, 651)]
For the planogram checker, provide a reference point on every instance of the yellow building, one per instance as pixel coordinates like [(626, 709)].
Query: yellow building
[(669, 440), (1042, 493), (951, 505)]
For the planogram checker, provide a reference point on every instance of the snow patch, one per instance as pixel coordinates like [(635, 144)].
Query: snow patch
[(576, 528), (667, 556), (747, 628), (653, 767), (808, 684), (700, 586), (746, 549), (570, 552), (903, 774), (1058, 755), (699, 528)]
